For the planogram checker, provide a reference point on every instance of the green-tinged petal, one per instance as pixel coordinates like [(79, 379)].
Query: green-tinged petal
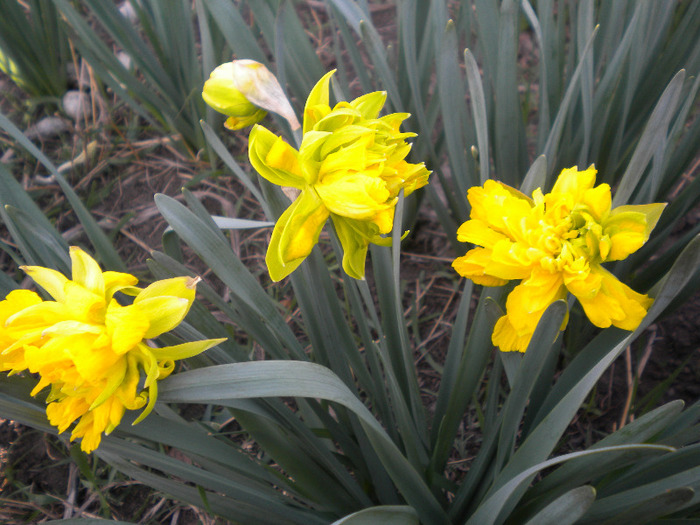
[(262, 142), (183, 287), (37, 316), (114, 379), (240, 122), (119, 282), (86, 271), (350, 158), (80, 303), (354, 246), (152, 397), (184, 350), (311, 154), (221, 94), (163, 314), (629, 228), (50, 280), (317, 104), (338, 119), (370, 105), (295, 234)]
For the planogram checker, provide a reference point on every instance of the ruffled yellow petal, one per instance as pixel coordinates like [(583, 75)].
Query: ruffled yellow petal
[(473, 264), (317, 104), (295, 234), (629, 227), (126, 326), (574, 183), (50, 280), (615, 303), (88, 348), (355, 196), (86, 272), (507, 339), (478, 232)]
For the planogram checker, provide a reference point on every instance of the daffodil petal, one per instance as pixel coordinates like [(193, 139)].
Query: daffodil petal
[(86, 271), (355, 243), (317, 104), (295, 234), (50, 280), (184, 350), (263, 144), (473, 264), (615, 304)]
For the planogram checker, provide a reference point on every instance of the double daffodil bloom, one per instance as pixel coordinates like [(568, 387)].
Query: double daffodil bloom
[(555, 243), (90, 349), (246, 90), (350, 167)]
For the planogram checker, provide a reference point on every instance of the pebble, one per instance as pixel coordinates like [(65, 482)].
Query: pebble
[(76, 105), (47, 127)]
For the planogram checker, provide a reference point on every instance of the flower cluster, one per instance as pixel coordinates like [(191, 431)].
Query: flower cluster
[(350, 167), (555, 243), (89, 348)]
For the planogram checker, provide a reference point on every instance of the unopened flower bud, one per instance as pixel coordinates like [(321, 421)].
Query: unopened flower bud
[(246, 90)]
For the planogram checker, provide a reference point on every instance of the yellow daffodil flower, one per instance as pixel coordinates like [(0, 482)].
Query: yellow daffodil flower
[(89, 348), (350, 167), (554, 243), (8, 66), (246, 90)]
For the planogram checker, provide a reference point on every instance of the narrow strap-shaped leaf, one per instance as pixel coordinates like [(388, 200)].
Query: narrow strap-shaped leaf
[(585, 27), (298, 379), (566, 509), (541, 344), (536, 176), (551, 147), (103, 246), (489, 511), (509, 143), (120, 456), (474, 359), (541, 441), (231, 163), (543, 109), (578, 471), (478, 103), (237, 33), (217, 254), (452, 95), (647, 502), (449, 379), (655, 130), (386, 515)]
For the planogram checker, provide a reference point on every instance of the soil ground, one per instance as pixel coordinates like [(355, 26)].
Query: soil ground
[(38, 480)]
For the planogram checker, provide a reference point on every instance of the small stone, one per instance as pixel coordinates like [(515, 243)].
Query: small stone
[(127, 11), (125, 59), (47, 127), (76, 104)]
